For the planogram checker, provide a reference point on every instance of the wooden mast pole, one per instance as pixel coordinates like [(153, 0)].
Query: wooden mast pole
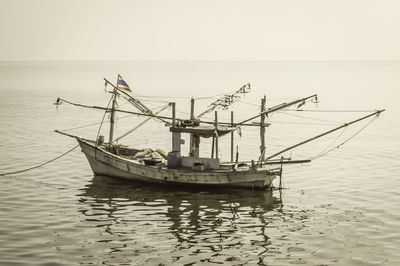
[(323, 134), (216, 135), (212, 147), (112, 118), (232, 137), (176, 136), (191, 151), (262, 129), (192, 108)]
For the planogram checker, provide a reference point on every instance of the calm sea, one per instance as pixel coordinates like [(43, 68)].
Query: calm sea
[(341, 209)]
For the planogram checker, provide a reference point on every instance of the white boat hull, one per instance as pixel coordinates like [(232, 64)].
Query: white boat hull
[(103, 162)]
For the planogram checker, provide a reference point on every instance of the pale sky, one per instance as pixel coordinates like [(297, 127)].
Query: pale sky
[(131, 30)]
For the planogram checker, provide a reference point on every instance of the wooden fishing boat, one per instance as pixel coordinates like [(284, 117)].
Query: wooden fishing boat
[(105, 162), (155, 166)]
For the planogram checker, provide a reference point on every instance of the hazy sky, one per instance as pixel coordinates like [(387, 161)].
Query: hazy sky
[(199, 30)]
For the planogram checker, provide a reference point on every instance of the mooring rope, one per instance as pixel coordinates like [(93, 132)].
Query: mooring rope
[(40, 165)]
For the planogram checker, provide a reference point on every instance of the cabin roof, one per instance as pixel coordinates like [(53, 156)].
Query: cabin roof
[(204, 131)]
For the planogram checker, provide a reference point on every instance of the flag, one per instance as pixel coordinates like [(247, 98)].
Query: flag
[(122, 85)]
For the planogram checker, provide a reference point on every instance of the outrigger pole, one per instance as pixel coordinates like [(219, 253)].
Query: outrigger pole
[(276, 108), (323, 134), (148, 115)]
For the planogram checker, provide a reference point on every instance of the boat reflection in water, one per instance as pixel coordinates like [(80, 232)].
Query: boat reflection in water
[(138, 223)]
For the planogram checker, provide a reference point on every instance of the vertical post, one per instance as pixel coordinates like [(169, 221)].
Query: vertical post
[(280, 176), (262, 130), (216, 135), (176, 136), (237, 158), (173, 115), (112, 118), (212, 147), (191, 148), (237, 154), (232, 137), (192, 108)]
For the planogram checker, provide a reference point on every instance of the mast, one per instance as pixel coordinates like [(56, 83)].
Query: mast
[(191, 149), (262, 129), (323, 134), (232, 137), (216, 135), (176, 136), (112, 118)]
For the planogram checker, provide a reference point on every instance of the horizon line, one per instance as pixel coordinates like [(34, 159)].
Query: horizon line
[(195, 60)]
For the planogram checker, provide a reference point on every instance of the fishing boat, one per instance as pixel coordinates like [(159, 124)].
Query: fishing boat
[(192, 169)]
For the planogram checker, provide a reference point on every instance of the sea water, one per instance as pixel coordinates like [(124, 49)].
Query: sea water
[(340, 209)]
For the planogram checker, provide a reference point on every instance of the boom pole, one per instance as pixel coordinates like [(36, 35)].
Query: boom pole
[(276, 108), (323, 134), (150, 115)]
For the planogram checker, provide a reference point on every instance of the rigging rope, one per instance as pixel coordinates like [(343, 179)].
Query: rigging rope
[(299, 123), (94, 124), (140, 124), (331, 111), (333, 142), (98, 123), (40, 165), (184, 97), (337, 146), (310, 118)]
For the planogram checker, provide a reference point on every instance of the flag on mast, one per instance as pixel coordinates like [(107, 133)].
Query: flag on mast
[(121, 84)]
